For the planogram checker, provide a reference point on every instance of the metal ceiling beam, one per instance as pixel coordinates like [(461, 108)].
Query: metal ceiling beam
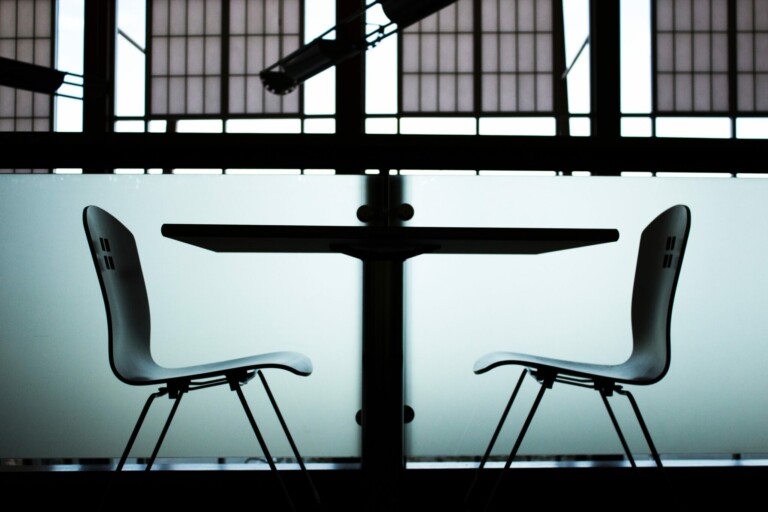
[(162, 150)]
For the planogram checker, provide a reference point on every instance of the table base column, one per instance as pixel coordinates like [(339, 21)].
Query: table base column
[(383, 457)]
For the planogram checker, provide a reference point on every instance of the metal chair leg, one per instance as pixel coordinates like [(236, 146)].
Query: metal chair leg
[(604, 396), (165, 430), (298, 456), (647, 434), (495, 436), (236, 387), (644, 428), (106, 496), (544, 386), (136, 428)]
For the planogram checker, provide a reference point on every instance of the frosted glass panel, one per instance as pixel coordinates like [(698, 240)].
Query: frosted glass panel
[(576, 304), (59, 397)]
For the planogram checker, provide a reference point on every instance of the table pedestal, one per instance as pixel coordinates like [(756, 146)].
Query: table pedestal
[(383, 251), (383, 449)]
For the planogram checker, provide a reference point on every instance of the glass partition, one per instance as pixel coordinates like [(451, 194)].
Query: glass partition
[(575, 304), (59, 398)]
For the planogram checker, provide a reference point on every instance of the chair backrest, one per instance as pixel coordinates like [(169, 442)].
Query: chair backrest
[(659, 260), (118, 267)]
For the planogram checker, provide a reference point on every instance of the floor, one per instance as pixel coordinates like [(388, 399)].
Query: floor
[(427, 488)]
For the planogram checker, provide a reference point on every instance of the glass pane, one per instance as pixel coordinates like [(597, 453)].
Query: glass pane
[(575, 304), (131, 19), (129, 79), (709, 127), (205, 306), (509, 86), (381, 77)]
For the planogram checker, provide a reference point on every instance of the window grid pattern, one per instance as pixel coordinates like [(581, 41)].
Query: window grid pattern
[(752, 55), (261, 32), (692, 56), (185, 62), (206, 55), (437, 62), (27, 35), (480, 57), (711, 56), (517, 49)]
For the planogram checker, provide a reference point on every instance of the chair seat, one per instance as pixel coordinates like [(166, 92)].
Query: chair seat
[(628, 372), (294, 362)]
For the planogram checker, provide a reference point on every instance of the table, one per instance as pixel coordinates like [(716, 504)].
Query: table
[(383, 250)]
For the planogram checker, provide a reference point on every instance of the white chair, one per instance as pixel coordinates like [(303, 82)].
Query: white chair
[(118, 267), (659, 260)]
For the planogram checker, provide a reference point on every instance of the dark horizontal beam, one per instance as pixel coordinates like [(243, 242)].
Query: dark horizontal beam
[(162, 150)]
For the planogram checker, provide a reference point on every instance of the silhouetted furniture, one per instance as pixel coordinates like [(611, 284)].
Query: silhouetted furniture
[(31, 77), (383, 250), (118, 267), (659, 259)]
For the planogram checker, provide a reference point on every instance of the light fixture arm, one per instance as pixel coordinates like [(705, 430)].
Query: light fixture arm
[(30, 77), (285, 75)]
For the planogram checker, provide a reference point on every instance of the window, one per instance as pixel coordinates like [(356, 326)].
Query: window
[(193, 65), (206, 55), (711, 56), (27, 31), (499, 64), (480, 57)]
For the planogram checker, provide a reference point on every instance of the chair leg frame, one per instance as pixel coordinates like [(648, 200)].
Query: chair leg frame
[(545, 384), (495, 436), (288, 435), (643, 426), (137, 427), (236, 387), (160, 439), (235, 383), (604, 395), (647, 435), (546, 381)]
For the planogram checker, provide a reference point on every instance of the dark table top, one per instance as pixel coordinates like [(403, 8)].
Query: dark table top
[(366, 240)]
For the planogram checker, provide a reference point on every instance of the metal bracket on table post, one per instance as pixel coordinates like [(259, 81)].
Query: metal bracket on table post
[(385, 206), (408, 415)]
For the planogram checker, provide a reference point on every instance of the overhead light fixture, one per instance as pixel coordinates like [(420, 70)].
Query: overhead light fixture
[(36, 78), (31, 77), (286, 74), (309, 60), (408, 12)]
